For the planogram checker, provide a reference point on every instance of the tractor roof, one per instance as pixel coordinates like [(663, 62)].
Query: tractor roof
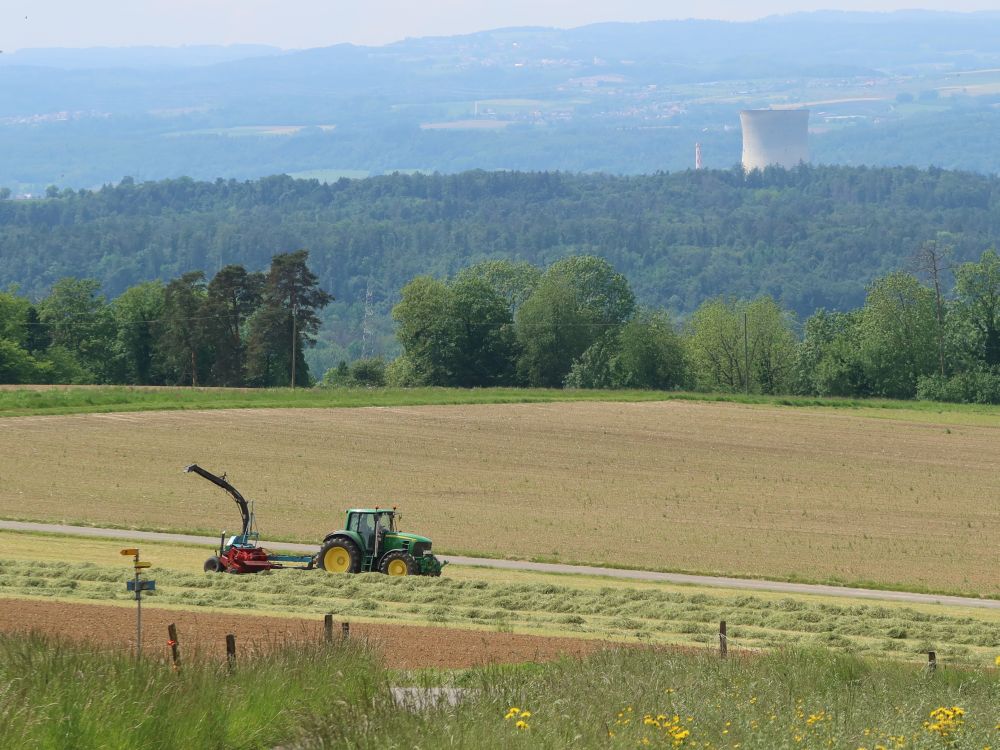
[(372, 510)]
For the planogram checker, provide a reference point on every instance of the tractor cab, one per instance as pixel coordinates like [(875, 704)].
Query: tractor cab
[(371, 525)]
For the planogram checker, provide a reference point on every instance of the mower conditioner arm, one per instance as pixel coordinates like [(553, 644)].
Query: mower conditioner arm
[(221, 482)]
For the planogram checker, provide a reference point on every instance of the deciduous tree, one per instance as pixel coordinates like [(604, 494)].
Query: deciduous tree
[(742, 346), (896, 335), (81, 322), (577, 301), (137, 312)]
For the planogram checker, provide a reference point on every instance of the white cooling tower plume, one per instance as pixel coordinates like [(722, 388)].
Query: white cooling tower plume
[(774, 137)]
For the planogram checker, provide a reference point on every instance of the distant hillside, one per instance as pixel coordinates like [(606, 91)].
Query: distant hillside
[(626, 98), (811, 237)]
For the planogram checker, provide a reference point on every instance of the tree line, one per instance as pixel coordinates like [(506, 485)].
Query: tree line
[(238, 328), (576, 324)]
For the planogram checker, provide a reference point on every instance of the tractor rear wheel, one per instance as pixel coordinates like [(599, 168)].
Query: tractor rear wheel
[(398, 563), (213, 565), (339, 555)]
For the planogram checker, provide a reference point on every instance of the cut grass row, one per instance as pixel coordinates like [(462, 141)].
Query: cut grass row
[(54, 400), (58, 695), (544, 605)]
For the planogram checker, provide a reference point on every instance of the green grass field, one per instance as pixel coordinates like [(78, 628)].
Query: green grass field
[(59, 695), (18, 401), (101, 399)]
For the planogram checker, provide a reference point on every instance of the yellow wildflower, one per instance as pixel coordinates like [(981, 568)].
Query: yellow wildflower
[(946, 721)]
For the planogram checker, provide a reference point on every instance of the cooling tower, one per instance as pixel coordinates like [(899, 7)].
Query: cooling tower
[(774, 137)]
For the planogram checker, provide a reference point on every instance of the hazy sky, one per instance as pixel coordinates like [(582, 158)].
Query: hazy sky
[(314, 23)]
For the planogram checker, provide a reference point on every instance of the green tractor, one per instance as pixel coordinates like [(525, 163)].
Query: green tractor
[(370, 542)]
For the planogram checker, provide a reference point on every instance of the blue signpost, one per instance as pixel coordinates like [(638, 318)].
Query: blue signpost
[(138, 585)]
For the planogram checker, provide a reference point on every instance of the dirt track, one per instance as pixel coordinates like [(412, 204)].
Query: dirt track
[(402, 646)]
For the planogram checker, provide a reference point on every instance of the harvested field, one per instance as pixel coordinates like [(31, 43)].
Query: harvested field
[(92, 571), (538, 605), (706, 487), (204, 633)]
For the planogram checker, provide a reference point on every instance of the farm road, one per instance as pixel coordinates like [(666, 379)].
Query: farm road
[(635, 575)]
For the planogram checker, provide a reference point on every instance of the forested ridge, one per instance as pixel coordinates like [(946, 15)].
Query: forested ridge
[(811, 237)]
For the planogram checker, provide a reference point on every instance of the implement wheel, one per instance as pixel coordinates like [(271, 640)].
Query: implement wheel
[(339, 555), (213, 565), (398, 563)]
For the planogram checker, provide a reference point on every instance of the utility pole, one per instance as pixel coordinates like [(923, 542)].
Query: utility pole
[(746, 355), (931, 260), (293, 305), (367, 332), (294, 341)]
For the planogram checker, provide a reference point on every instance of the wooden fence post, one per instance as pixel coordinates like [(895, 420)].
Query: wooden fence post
[(931, 662), (328, 628), (345, 630), (723, 640), (231, 650), (175, 647)]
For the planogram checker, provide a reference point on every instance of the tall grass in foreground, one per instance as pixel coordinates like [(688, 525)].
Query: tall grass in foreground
[(785, 699), (58, 695)]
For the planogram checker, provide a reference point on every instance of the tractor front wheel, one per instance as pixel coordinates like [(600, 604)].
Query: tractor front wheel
[(339, 555), (213, 565), (398, 563)]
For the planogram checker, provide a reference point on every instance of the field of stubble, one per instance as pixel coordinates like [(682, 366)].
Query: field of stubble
[(696, 486)]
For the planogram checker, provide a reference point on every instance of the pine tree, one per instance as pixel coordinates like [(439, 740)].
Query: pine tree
[(286, 322)]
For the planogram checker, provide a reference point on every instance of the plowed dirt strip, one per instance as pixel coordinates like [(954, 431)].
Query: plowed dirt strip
[(204, 633)]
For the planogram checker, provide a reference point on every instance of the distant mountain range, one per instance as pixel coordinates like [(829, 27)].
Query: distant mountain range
[(914, 88), (89, 58)]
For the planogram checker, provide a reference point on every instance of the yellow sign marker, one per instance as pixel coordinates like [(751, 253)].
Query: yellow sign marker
[(130, 551), (143, 565)]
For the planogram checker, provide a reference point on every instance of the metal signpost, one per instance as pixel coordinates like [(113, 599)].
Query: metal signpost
[(138, 586)]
